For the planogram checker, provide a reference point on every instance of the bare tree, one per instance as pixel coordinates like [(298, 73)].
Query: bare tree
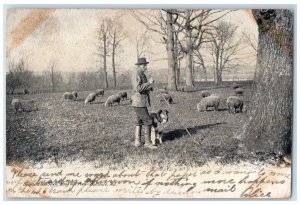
[(171, 52), (52, 76), (194, 24), (140, 43), (116, 35), (161, 22), (251, 40), (199, 62), (19, 76), (269, 127), (103, 38), (224, 49)]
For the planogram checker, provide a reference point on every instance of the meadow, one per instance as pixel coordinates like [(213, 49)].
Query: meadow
[(66, 131)]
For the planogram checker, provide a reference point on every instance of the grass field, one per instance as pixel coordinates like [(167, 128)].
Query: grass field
[(64, 132)]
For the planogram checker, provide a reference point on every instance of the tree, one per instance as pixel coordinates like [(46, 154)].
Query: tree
[(194, 24), (140, 43), (224, 49), (171, 52), (199, 61), (103, 46), (116, 35), (269, 126), (52, 74), (19, 76), (161, 22)]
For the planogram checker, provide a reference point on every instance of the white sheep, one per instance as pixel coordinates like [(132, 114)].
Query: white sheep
[(235, 104), (90, 98), (210, 101), (24, 105), (70, 96), (112, 99)]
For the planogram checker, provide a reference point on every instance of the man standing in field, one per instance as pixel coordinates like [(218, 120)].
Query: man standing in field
[(140, 101)]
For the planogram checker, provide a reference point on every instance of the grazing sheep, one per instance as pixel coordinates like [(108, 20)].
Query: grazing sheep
[(70, 96), (164, 96), (210, 101), (99, 92), (239, 91), (235, 104), (123, 95), (90, 98), (205, 93), (24, 105), (163, 91), (235, 86), (112, 99)]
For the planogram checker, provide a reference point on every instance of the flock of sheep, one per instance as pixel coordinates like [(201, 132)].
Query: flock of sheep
[(235, 103), (111, 100)]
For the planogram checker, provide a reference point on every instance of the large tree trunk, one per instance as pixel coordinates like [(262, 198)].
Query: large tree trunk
[(171, 54), (269, 126), (189, 53)]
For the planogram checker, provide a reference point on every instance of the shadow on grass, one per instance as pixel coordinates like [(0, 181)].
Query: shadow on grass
[(178, 133), (98, 102)]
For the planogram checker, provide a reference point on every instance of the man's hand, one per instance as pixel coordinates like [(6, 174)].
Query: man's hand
[(151, 80)]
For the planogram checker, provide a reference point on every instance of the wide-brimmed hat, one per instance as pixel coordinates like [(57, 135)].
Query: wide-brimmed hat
[(142, 61)]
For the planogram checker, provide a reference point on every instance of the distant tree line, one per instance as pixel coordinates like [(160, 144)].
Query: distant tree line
[(19, 79)]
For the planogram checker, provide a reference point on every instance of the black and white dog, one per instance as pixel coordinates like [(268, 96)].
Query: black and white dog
[(159, 119)]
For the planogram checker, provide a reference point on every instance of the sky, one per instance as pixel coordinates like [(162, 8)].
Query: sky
[(67, 38)]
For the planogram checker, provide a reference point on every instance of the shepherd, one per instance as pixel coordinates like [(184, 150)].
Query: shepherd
[(140, 102)]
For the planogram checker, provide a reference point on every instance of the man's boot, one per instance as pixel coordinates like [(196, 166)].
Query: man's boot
[(148, 143), (137, 141)]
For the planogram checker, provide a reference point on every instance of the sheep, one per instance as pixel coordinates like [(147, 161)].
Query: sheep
[(70, 96), (112, 99), (24, 105), (123, 95), (239, 91), (164, 96), (100, 92), (205, 93), (210, 101), (235, 104), (90, 98)]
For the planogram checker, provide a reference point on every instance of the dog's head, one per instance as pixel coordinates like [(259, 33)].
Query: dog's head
[(163, 116)]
